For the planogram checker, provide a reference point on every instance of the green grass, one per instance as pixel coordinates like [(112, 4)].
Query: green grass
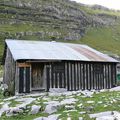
[(111, 99), (89, 10), (104, 39)]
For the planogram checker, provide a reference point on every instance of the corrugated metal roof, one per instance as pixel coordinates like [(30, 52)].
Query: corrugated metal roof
[(42, 50)]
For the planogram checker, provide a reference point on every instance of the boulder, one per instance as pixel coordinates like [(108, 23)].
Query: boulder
[(58, 90), (51, 108), (35, 109)]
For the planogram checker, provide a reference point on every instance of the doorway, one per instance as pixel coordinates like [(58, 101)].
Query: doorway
[(37, 76), (24, 79)]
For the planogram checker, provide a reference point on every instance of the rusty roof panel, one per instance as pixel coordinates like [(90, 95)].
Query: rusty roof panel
[(43, 50)]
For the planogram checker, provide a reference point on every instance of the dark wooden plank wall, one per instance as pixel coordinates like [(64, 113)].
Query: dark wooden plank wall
[(81, 75)]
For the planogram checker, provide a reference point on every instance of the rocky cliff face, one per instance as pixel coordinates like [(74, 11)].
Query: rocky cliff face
[(57, 19)]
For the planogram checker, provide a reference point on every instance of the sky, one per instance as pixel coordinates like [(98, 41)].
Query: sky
[(112, 4)]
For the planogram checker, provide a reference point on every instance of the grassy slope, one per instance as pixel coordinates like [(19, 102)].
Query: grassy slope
[(110, 102), (106, 39)]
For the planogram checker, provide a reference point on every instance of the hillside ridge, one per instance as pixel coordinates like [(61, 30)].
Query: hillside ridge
[(62, 20)]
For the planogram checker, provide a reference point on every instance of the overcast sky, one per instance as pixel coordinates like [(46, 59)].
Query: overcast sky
[(114, 4)]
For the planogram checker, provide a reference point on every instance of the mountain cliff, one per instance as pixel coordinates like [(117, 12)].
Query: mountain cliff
[(58, 20)]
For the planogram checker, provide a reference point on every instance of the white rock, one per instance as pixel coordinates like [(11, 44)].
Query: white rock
[(71, 107), (51, 108), (115, 88), (50, 117), (96, 115), (13, 110), (116, 115), (69, 118), (57, 90), (35, 109), (83, 112), (4, 108), (80, 105), (53, 117), (1, 103), (10, 98), (69, 101), (41, 118), (4, 86), (110, 117), (25, 102), (87, 93), (100, 102), (80, 118), (90, 102)]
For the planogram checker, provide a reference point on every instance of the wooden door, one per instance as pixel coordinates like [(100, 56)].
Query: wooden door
[(37, 76), (24, 79)]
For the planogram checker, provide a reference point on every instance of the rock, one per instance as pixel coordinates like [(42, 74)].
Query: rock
[(100, 102), (41, 118), (115, 89), (90, 102), (83, 112), (10, 98), (69, 101), (58, 90), (4, 86), (110, 117), (4, 108), (25, 102), (13, 111), (50, 117), (89, 108), (51, 108), (35, 109), (69, 118), (80, 118), (53, 117), (116, 115), (87, 93), (71, 107), (96, 115), (80, 105)]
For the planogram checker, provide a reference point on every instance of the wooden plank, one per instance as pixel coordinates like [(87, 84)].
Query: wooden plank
[(78, 75), (93, 76), (21, 79), (27, 79), (115, 74), (83, 76), (64, 75), (102, 77), (90, 76), (60, 80), (74, 76), (48, 77), (52, 65), (23, 64), (56, 80), (68, 78), (106, 76), (71, 76), (87, 81), (111, 75)]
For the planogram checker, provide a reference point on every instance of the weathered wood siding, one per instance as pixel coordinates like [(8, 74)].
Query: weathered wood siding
[(9, 71), (37, 76), (81, 75)]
